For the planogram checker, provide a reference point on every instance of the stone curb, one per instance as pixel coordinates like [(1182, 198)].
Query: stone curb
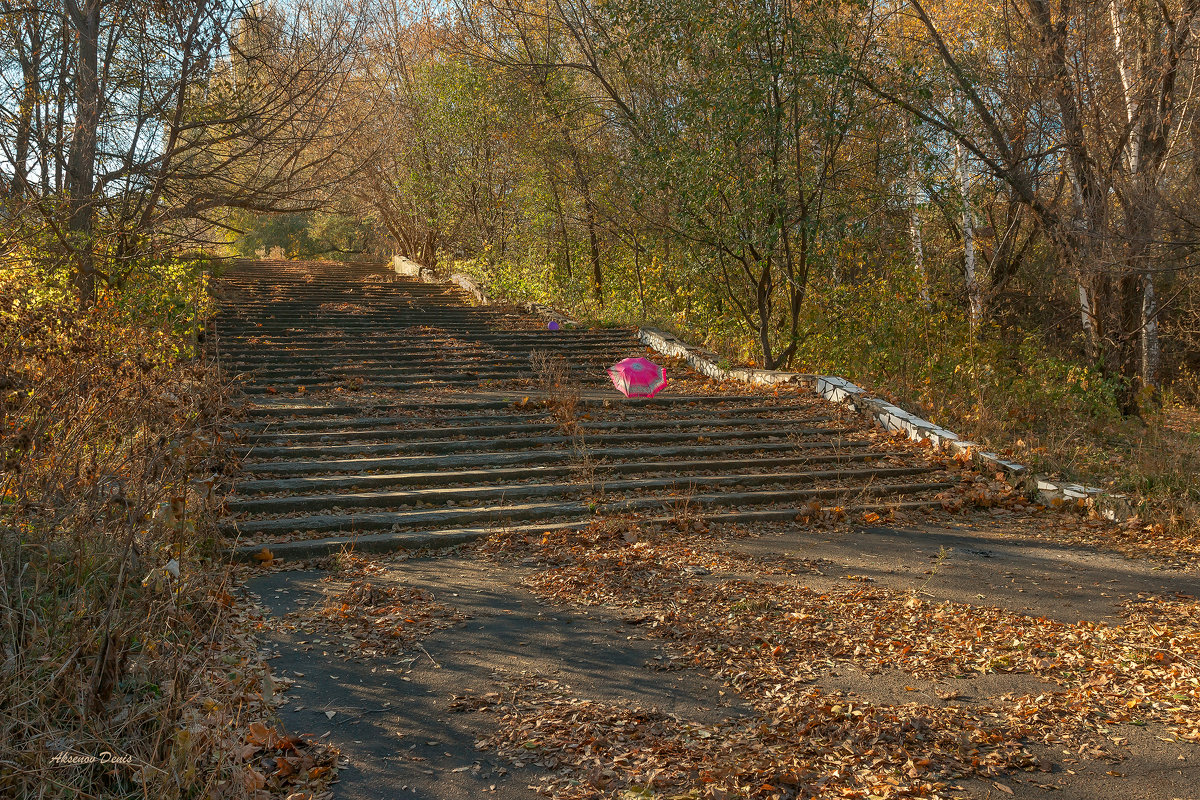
[(836, 390), (893, 418), (411, 269)]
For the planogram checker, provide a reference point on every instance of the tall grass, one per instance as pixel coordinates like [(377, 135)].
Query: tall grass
[(111, 607)]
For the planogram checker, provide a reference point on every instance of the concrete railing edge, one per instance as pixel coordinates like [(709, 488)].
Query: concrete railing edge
[(893, 418), (832, 388)]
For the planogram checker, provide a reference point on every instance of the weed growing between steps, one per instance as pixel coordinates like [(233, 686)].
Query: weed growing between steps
[(1016, 390), (563, 398), (770, 640), (552, 375), (126, 668)]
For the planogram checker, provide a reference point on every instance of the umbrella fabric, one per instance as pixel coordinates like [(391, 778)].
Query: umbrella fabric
[(552, 325), (638, 377)]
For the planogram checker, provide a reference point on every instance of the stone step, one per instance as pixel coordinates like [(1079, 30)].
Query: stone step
[(383, 357), (423, 381), (288, 410), (334, 422), (526, 442), (529, 457), (401, 332), (502, 514), (334, 482), (663, 403), (401, 369), (400, 322), (247, 289), (478, 429), (400, 377), (449, 537), (304, 503), (396, 317), (386, 542), (281, 357), (417, 339), (255, 355), (320, 343)]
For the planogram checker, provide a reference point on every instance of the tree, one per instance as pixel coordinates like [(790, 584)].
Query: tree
[(739, 114), (128, 121), (1084, 117)]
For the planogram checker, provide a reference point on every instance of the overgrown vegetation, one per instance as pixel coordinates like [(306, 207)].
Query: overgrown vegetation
[(115, 622)]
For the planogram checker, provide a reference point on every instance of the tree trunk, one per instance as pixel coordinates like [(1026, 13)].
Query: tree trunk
[(562, 221), (57, 156), (29, 93), (1089, 321), (1129, 340), (81, 161), (594, 244), (914, 219), (974, 295), (637, 270), (590, 217), (1150, 347), (763, 290)]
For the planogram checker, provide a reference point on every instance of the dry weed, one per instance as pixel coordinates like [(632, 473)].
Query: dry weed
[(118, 633), (552, 374)]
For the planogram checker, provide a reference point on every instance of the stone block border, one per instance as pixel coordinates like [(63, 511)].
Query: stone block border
[(893, 418), (834, 389)]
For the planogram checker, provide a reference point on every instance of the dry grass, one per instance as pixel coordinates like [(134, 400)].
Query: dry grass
[(117, 632), (564, 397), (1153, 460), (553, 376)]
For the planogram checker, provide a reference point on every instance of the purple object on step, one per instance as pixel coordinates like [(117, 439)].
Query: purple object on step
[(553, 325)]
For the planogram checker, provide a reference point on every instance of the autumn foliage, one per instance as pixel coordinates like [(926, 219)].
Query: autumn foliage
[(114, 622)]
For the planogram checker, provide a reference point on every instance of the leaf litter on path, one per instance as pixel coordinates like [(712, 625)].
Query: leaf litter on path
[(770, 641), (374, 619)]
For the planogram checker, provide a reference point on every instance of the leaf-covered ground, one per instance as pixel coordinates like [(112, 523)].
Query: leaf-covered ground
[(686, 660), (771, 641), (374, 619)]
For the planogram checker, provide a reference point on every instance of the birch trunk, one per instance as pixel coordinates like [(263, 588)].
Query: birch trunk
[(1137, 154), (974, 296), (914, 218), (1151, 354), (914, 230)]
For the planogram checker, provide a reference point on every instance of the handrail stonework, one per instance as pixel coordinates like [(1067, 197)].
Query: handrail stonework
[(887, 415)]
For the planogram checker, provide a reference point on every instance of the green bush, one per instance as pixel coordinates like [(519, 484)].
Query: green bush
[(881, 334)]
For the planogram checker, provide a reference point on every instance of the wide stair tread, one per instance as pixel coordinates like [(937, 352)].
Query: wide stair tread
[(383, 412)]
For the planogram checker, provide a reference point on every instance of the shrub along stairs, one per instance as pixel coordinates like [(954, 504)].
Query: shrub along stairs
[(387, 412)]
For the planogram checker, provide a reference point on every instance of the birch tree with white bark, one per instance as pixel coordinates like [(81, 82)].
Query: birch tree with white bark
[(1088, 120)]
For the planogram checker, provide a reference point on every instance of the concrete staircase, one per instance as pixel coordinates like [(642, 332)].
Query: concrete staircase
[(388, 413)]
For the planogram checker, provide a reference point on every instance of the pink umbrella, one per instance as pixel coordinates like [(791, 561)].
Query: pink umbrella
[(638, 377)]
